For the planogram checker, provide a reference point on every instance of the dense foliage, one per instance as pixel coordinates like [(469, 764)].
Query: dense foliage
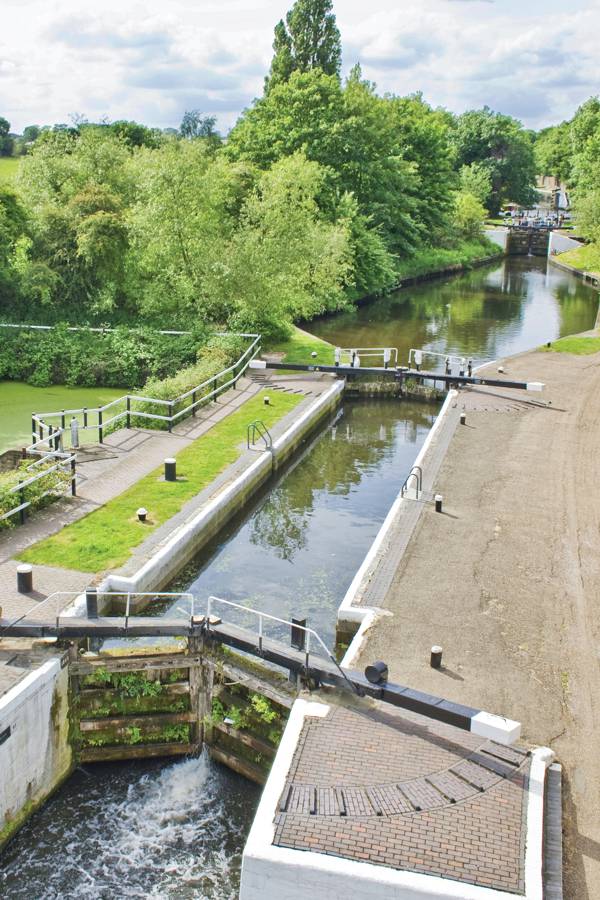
[(324, 192), (119, 358), (571, 152), (499, 146)]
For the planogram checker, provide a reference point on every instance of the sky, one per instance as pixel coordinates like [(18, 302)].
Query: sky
[(150, 61)]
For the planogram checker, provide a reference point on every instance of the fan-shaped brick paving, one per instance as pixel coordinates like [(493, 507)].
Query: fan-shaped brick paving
[(403, 791)]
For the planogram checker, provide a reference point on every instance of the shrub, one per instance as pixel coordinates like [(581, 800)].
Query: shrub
[(123, 357), (218, 354), (39, 494)]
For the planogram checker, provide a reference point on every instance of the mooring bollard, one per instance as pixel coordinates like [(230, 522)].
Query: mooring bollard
[(463, 418), (436, 657), (438, 502), (266, 401), (141, 514), (24, 579), (170, 469), (91, 602), (377, 672)]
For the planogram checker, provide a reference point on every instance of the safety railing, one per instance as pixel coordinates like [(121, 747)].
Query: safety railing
[(352, 356), (257, 430), (417, 473), (65, 464), (53, 609), (464, 365), (48, 436), (261, 617)]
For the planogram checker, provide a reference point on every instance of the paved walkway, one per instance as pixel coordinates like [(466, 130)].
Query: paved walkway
[(109, 469), (507, 580), (391, 788)]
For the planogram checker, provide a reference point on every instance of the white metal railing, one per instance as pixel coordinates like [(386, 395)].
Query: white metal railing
[(417, 355), (58, 599), (46, 437), (348, 355), (66, 463)]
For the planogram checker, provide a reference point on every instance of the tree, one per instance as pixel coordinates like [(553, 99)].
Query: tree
[(501, 146), (308, 39), (134, 134), (469, 215), (6, 142), (196, 125), (553, 152), (476, 181)]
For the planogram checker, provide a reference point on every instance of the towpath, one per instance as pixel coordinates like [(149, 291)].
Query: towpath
[(106, 471), (507, 580)]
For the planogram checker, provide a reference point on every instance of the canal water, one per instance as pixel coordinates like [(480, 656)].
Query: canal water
[(177, 830), (484, 314)]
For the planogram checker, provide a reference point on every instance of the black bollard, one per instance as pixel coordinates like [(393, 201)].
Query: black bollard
[(438, 502), (377, 672), (24, 579), (463, 418), (436, 657), (170, 469)]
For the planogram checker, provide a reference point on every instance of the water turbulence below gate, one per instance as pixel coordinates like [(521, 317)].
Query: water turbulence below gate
[(135, 830)]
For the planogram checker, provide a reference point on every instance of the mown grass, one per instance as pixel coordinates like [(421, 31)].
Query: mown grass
[(105, 538), (9, 166), (300, 345), (579, 346), (586, 258)]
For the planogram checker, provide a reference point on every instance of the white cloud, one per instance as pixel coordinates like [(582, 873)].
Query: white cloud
[(150, 62)]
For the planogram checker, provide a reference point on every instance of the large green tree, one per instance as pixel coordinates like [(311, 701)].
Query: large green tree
[(500, 145), (308, 39)]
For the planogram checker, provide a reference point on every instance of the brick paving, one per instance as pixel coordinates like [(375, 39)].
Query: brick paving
[(399, 790)]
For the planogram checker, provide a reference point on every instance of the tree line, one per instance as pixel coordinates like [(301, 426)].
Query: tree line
[(318, 196), (571, 153)]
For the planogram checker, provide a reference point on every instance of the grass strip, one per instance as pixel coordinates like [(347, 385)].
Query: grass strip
[(299, 346), (586, 258), (105, 537), (579, 346)]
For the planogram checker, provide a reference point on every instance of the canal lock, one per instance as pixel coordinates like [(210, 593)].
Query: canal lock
[(170, 703)]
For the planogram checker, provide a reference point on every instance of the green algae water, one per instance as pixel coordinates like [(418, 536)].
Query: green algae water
[(177, 829), (19, 400)]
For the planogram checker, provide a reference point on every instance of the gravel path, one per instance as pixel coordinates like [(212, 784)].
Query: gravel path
[(507, 580)]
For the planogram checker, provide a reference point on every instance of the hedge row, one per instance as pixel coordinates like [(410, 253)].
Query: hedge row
[(217, 354), (39, 494), (123, 357)]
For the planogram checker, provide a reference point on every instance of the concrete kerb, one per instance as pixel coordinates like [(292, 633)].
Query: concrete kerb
[(365, 617), (193, 534), (270, 872)]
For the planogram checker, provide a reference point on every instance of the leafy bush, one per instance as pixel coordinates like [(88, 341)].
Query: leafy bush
[(218, 354), (39, 494), (121, 358)]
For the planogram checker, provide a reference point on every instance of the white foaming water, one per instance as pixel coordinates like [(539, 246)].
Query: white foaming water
[(173, 832)]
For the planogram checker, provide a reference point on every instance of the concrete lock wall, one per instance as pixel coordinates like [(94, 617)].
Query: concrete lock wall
[(35, 754), (191, 537), (498, 236)]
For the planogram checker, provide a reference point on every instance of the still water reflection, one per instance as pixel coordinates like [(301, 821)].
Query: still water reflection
[(485, 313)]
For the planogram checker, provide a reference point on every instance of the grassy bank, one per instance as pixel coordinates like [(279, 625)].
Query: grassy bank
[(299, 347), (586, 259), (430, 260), (579, 346), (105, 538)]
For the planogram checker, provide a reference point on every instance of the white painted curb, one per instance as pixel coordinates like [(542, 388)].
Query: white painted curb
[(366, 616)]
